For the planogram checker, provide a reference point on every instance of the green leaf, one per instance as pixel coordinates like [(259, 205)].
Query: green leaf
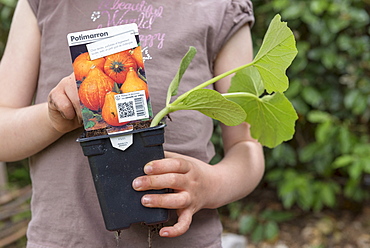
[(345, 139), (324, 132), (277, 52), (247, 80), (293, 11), (274, 175), (288, 199), (213, 104), (312, 96), (355, 170), (343, 161), (327, 195), (246, 224), (173, 88), (272, 117), (257, 234), (362, 149), (318, 6), (271, 230), (316, 116), (366, 165)]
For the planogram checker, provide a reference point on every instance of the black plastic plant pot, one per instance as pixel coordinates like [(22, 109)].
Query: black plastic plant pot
[(113, 171)]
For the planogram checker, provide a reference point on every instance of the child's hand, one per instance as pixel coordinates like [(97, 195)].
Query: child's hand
[(188, 177), (63, 105)]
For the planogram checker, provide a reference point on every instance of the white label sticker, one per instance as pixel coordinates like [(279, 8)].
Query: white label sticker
[(122, 142), (132, 106), (112, 45)]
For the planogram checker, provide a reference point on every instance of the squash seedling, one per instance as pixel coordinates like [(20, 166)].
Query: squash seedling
[(256, 94)]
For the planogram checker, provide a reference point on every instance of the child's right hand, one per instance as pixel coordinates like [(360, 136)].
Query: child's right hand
[(63, 105)]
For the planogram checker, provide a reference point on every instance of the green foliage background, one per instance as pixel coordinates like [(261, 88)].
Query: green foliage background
[(329, 157), (330, 85), (6, 14), (328, 160)]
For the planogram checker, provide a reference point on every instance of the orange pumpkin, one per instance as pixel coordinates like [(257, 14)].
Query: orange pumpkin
[(83, 64), (116, 65), (109, 111), (93, 89), (136, 53), (134, 83)]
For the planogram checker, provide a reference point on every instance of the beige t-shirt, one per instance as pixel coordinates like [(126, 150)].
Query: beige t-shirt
[(65, 209)]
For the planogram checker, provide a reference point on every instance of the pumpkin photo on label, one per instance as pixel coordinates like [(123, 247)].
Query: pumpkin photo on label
[(93, 89), (136, 53), (134, 83), (109, 111), (117, 65), (83, 64)]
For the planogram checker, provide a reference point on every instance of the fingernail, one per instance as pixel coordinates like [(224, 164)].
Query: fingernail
[(136, 183), (145, 200), (164, 234), (148, 168)]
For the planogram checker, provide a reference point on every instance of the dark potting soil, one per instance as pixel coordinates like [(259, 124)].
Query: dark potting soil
[(103, 131), (141, 124)]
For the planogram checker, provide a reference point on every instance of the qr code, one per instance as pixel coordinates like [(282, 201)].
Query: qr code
[(131, 106), (126, 109)]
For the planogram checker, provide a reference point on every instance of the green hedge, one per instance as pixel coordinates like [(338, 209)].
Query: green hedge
[(329, 155)]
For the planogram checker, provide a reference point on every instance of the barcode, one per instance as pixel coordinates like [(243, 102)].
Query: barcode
[(126, 109), (139, 104)]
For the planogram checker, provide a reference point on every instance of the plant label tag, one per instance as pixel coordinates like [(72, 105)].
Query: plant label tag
[(115, 44), (106, 62), (122, 142), (132, 106)]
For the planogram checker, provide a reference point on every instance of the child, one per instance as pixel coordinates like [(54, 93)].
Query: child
[(40, 118)]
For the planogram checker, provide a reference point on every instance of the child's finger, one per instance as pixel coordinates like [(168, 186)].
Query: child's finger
[(170, 201), (169, 180), (183, 224), (167, 165)]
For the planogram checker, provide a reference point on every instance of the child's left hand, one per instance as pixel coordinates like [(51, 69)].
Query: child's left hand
[(192, 180)]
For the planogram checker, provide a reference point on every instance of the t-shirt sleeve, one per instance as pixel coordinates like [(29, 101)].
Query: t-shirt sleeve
[(238, 13), (34, 4)]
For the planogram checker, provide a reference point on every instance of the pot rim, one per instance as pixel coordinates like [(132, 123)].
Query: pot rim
[(160, 126)]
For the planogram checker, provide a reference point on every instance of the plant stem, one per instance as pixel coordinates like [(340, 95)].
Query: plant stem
[(165, 111), (159, 116), (211, 81), (238, 94), (172, 106)]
